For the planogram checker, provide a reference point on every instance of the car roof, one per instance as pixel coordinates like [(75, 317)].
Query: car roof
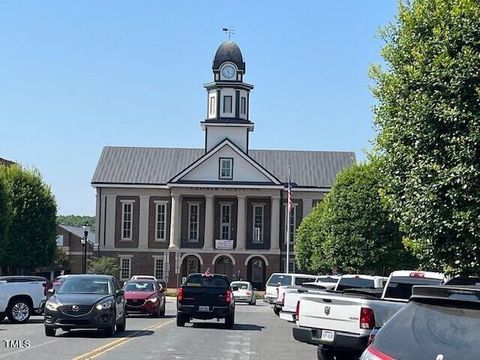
[(418, 273), (90, 276), (360, 276), (22, 278)]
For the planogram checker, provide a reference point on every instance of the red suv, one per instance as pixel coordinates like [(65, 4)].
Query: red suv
[(145, 297)]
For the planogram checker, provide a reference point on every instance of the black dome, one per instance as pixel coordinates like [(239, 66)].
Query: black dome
[(228, 51)]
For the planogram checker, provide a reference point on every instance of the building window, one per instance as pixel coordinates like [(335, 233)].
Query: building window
[(226, 169), (258, 224), (227, 104), (225, 221), (160, 221), (159, 269), (193, 216), (125, 268), (243, 105), (212, 105), (127, 220), (292, 223)]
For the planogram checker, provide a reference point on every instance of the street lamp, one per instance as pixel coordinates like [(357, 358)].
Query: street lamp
[(86, 229)]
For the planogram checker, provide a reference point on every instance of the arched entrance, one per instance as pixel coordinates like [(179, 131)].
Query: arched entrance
[(224, 265), (191, 264), (256, 272)]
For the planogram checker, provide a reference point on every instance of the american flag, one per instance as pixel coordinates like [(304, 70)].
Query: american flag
[(289, 194)]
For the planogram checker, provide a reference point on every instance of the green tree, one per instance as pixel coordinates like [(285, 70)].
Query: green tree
[(4, 220), (359, 235), (103, 265), (30, 240), (428, 120), (76, 220)]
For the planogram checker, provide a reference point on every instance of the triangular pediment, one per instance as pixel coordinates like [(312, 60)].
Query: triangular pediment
[(245, 169)]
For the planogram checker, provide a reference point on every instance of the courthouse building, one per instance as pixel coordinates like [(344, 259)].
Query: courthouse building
[(173, 211)]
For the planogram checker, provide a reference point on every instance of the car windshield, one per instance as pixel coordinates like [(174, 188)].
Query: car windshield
[(431, 330), (401, 287), (241, 286), (207, 281), (84, 285), (140, 286), (282, 280)]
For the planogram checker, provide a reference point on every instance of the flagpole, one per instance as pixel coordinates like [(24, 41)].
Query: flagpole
[(289, 200)]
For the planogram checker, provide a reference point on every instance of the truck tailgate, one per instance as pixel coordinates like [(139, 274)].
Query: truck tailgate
[(211, 296)]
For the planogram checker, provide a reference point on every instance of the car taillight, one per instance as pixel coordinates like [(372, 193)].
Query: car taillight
[(374, 354), (297, 310), (367, 318), (180, 294), (228, 296)]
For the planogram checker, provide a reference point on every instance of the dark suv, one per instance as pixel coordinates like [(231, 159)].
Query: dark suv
[(86, 301), (439, 322)]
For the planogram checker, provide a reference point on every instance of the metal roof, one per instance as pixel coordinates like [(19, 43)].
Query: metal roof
[(78, 231), (156, 166)]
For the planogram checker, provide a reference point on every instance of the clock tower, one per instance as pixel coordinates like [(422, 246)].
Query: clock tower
[(228, 100)]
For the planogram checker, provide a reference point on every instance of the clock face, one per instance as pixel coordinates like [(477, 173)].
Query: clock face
[(228, 71)]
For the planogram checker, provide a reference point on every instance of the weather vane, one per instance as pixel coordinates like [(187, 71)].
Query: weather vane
[(229, 32)]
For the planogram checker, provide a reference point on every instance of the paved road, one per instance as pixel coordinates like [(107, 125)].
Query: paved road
[(257, 334)]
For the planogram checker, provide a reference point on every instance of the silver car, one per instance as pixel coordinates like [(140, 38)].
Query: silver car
[(243, 292)]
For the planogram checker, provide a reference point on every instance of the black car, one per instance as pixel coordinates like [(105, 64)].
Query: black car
[(439, 322), (206, 296), (86, 302)]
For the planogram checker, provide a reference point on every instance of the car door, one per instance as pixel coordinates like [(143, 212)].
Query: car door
[(119, 301)]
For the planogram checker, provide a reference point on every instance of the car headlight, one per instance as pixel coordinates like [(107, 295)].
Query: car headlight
[(104, 305), (53, 306), (153, 300)]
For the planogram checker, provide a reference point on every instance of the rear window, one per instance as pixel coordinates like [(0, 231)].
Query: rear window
[(355, 283), (301, 280), (283, 280), (327, 279), (401, 287), (207, 281), (431, 330)]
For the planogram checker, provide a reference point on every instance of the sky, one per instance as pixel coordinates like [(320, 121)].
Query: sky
[(76, 76)]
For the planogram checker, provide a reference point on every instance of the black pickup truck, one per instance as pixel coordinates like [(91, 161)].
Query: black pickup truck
[(205, 296)]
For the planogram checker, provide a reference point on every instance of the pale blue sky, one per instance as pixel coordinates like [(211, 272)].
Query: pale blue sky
[(79, 75)]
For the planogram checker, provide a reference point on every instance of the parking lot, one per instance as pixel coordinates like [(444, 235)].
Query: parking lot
[(257, 334)]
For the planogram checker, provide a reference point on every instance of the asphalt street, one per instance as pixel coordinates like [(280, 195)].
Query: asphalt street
[(257, 334)]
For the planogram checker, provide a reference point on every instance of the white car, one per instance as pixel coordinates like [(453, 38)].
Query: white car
[(143, 277), (243, 292)]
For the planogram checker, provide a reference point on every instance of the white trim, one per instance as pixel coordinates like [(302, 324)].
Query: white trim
[(190, 204), (217, 148), (285, 216), (121, 258), (165, 204), (227, 255), (162, 258), (127, 201), (119, 251), (229, 224), (296, 189), (136, 186), (229, 186), (229, 160), (262, 238), (191, 254), (256, 255), (130, 237)]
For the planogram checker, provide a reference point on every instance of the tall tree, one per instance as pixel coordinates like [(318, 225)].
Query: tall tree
[(360, 236), (30, 240), (4, 220), (76, 220), (428, 119)]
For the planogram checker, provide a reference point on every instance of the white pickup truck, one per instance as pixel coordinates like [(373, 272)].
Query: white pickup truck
[(21, 296), (288, 299), (341, 324)]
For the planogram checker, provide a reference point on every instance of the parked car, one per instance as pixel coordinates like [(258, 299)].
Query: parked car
[(145, 297), (340, 324), (143, 277), (464, 280), (439, 322), (206, 296), (243, 292), (85, 302), (56, 282), (283, 279), (21, 297)]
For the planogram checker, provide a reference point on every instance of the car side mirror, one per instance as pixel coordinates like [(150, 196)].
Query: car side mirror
[(119, 292), (235, 288), (50, 292), (162, 290)]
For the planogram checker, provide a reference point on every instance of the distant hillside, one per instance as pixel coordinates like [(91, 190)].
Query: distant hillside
[(76, 220)]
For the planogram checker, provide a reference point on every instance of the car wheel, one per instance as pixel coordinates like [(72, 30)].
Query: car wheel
[(230, 321), (110, 331), (180, 320), (50, 331), (19, 311), (121, 327), (162, 312), (253, 302), (324, 354), (276, 311)]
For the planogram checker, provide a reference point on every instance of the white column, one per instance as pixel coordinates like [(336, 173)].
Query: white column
[(275, 224), (241, 224), (307, 206), (175, 221), (209, 223), (143, 225), (110, 221)]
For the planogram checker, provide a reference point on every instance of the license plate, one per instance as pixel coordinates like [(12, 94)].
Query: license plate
[(328, 335), (203, 308)]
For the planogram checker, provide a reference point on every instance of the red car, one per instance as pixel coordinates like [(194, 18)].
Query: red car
[(145, 297)]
